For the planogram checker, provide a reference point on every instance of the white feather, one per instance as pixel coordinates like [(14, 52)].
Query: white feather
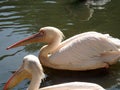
[(83, 51)]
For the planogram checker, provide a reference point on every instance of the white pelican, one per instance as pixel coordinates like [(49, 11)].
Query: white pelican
[(85, 51), (32, 67)]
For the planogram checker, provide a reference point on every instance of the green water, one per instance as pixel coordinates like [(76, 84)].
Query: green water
[(21, 18)]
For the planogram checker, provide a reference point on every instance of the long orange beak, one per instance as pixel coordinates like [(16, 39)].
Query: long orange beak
[(17, 77), (31, 39)]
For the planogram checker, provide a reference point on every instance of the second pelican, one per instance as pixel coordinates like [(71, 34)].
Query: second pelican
[(31, 68)]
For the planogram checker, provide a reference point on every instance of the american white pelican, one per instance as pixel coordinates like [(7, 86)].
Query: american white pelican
[(32, 67), (85, 51)]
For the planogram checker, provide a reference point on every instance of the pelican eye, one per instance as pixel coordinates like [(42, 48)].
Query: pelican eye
[(41, 32), (23, 61)]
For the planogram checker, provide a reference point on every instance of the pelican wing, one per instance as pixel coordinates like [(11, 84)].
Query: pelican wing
[(74, 86), (82, 50)]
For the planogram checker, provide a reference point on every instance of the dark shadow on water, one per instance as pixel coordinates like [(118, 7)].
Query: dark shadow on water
[(88, 73), (62, 76), (102, 76), (69, 71)]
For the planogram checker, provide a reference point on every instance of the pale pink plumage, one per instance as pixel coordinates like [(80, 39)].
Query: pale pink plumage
[(85, 51)]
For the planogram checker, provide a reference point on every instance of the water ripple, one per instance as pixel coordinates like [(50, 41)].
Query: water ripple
[(4, 56), (11, 17), (7, 13), (6, 7), (50, 2), (2, 1)]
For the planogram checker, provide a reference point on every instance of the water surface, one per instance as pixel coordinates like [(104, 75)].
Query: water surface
[(21, 18)]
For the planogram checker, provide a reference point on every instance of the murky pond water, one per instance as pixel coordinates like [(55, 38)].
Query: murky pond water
[(21, 18)]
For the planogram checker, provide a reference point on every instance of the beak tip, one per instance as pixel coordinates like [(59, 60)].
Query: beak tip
[(5, 87), (7, 48)]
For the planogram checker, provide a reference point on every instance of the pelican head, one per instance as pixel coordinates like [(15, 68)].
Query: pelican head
[(46, 34), (31, 67)]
